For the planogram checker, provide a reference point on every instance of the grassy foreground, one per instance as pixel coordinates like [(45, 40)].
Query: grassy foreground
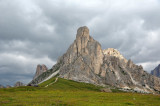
[(65, 92)]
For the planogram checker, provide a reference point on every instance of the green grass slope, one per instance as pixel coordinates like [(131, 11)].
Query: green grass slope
[(71, 93), (69, 85)]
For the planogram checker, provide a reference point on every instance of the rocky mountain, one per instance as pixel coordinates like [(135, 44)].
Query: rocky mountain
[(156, 71), (85, 61), (18, 84), (40, 69)]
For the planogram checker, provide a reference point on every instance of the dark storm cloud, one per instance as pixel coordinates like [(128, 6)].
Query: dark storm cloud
[(36, 31)]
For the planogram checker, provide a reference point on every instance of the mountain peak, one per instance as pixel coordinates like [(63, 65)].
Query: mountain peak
[(83, 32), (114, 52)]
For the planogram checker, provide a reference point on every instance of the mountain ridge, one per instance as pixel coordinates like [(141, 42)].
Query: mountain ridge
[(85, 61)]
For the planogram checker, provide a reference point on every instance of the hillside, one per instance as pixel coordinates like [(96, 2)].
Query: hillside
[(63, 84), (67, 92)]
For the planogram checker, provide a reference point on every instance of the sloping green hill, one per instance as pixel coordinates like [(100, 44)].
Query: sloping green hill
[(63, 84), (71, 93)]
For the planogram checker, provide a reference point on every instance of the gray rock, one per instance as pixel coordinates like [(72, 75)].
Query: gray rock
[(40, 69), (45, 75), (128, 75), (18, 84), (83, 59), (34, 85), (156, 71), (105, 90)]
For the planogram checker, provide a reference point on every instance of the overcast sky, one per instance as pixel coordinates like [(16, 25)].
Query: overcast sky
[(39, 31)]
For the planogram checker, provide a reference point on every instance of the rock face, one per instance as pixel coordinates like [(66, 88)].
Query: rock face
[(117, 73), (115, 53), (156, 71), (40, 69), (85, 61), (18, 84)]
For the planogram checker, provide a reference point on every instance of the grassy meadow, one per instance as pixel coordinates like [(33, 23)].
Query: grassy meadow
[(70, 93)]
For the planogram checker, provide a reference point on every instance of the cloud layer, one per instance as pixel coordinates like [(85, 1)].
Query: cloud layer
[(38, 32)]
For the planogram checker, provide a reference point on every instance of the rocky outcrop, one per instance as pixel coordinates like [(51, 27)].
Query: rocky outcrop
[(18, 84), (1, 86), (40, 69), (156, 71), (115, 53), (45, 75), (8, 86), (105, 90), (42, 73), (85, 61)]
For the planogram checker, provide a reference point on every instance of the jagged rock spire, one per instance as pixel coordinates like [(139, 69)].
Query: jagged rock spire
[(82, 39), (40, 69), (83, 32)]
